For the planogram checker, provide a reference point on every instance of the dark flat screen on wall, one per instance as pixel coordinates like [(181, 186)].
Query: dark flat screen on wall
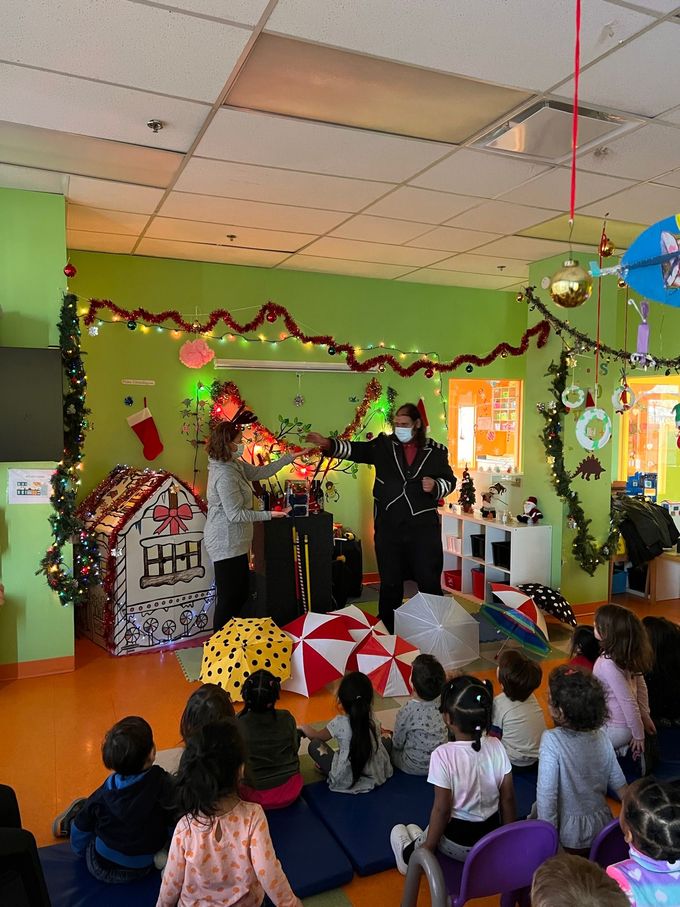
[(31, 405)]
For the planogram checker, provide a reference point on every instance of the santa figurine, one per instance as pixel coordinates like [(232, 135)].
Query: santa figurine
[(531, 513)]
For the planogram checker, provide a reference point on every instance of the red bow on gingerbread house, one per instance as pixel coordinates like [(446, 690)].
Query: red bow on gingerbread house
[(173, 517)]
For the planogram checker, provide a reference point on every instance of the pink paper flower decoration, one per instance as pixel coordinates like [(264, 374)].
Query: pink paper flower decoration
[(195, 353)]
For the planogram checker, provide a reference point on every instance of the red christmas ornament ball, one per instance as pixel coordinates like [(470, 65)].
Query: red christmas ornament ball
[(271, 317), (429, 373), (369, 435), (70, 270)]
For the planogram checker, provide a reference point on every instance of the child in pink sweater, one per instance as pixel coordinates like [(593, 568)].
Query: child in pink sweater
[(221, 851), (625, 656)]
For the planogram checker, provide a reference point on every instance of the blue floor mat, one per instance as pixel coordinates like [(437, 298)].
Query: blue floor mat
[(361, 823), (71, 885)]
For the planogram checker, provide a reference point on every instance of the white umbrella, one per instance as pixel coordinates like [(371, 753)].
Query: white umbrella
[(439, 626)]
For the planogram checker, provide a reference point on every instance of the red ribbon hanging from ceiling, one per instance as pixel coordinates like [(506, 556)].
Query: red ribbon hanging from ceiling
[(574, 121)]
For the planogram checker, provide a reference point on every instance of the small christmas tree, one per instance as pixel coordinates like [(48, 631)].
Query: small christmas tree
[(466, 496)]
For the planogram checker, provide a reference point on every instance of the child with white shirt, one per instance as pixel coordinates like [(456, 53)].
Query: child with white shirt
[(516, 713), (472, 778), (419, 727)]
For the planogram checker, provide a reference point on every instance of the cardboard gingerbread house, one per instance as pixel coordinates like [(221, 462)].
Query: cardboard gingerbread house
[(157, 580)]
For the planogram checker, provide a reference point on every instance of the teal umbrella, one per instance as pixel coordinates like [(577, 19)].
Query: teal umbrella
[(515, 625)]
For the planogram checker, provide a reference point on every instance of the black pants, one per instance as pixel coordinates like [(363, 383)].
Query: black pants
[(22, 883), (232, 583), (410, 549)]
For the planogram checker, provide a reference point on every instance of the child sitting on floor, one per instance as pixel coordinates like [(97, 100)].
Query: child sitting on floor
[(650, 821), (128, 820), (221, 850), (206, 704), (472, 778), (419, 727), (570, 881), (516, 713), (362, 761), (272, 776), (585, 649), (577, 762)]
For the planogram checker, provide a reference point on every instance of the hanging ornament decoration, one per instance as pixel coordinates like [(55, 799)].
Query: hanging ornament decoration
[(593, 428), (299, 399), (70, 270), (573, 396), (93, 330), (641, 358), (195, 353), (571, 286), (623, 397), (606, 248)]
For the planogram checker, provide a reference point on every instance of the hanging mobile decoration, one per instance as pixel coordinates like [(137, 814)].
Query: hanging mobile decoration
[(573, 396), (641, 358), (623, 397), (572, 285), (298, 399), (593, 428)]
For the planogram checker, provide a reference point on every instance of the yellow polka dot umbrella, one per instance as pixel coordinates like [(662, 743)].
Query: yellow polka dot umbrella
[(241, 647)]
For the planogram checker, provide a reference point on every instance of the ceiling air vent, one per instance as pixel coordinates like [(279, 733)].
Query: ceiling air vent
[(544, 131)]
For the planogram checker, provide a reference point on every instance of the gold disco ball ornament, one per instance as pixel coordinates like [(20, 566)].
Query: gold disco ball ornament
[(571, 286)]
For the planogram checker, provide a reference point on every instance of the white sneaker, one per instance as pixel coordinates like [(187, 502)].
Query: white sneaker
[(399, 841), (414, 831)]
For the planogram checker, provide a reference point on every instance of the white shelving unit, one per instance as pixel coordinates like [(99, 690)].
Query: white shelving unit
[(529, 552)]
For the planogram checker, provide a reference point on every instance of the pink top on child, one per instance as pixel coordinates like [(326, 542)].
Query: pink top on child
[(626, 697), (228, 861)]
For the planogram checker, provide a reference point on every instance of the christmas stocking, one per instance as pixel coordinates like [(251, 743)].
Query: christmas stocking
[(143, 425)]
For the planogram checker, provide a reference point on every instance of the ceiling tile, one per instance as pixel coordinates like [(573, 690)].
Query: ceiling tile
[(478, 173), (347, 268), (98, 221), (129, 44), (33, 147), (485, 264), (523, 248), (250, 214), (657, 6), (199, 231), (380, 229), (328, 85), (161, 248), (643, 204), (12, 177), (639, 155), (672, 178), (671, 116), (500, 217), (423, 205), (245, 12), (276, 141), (451, 239), (353, 250), (112, 196), (456, 279), (70, 104), (551, 190), (507, 43), (652, 57), (100, 242), (586, 230), (287, 187)]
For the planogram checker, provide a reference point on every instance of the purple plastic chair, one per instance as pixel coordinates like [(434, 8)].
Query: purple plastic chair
[(503, 862), (609, 846)]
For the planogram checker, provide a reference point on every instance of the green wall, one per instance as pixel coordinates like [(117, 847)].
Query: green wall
[(33, 625), (410, 316)]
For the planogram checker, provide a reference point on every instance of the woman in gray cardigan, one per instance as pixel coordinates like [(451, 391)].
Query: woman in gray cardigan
[(229, 526)]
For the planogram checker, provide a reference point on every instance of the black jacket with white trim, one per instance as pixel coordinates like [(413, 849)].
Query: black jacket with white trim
[(398, 488)]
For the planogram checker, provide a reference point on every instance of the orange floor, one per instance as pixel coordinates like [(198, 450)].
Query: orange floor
[(52, 729)]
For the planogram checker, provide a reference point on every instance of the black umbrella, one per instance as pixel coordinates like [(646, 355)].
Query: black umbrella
[(550, 602)]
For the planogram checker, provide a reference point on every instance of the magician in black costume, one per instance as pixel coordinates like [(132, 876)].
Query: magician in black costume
[(412, 473)]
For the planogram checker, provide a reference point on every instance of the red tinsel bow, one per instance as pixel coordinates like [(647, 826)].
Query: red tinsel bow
[(173, 517)]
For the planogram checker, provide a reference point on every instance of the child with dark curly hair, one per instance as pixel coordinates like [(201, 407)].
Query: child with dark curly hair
[(650, 821), (577, 762), (585, 649), (419, 727)]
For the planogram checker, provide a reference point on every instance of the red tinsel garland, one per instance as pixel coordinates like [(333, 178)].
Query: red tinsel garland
[(229, 391), (271, 311)]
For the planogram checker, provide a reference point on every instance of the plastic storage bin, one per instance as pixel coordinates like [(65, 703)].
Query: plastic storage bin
[(500, 553), (477, 545), (477, 582), (453, 579)]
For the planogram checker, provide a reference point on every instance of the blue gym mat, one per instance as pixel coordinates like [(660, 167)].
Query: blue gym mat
[(361, 823), (309, 855)]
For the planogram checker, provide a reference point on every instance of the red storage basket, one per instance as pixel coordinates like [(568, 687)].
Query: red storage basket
[(478, 583), (453, 579)]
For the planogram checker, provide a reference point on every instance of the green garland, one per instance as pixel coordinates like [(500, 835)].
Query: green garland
[(70, 585), (587, 553)]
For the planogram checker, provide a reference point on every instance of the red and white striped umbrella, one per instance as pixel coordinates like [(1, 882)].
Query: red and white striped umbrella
[(321, 646), (520, 601), (387, 661), (359, 622)]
